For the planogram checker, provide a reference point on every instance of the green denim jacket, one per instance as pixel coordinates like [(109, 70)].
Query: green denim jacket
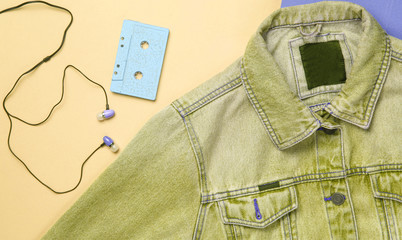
[(300, 138)]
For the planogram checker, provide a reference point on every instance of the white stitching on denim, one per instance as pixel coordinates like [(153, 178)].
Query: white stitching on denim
[(223, 216), (200, 166), (200, 173), (282, 221), (209, 195), (317, 93), (201, 205), (397, 59), (197, 223), (288, 184), (313, 23), (284, 218), (270, 222), (398, 197), (347, 184), (322, 187), (227, 90), (396, 55), (235, 232), (311, 106), (203, 220), (292, 184), (303, 137), (381, 201), (294, 196), (214, 97), (384, 73), (382, 80), (271, 219), (240, 233), (230, 234), (227, 227), (364, 171), (392, 215), (290, 228), (176, 107), (391, 204), (284, 144), (295, 225), (387, 52), (202, 160), (376, 203), (211, 92), (396, 52), (226, 211), (389, 198), (326, 210), (384, 207), (350, 52), (285, 225), (254, 102), (294, 68)]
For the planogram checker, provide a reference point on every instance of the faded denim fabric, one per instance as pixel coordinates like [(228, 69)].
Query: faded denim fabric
[(253, 153)]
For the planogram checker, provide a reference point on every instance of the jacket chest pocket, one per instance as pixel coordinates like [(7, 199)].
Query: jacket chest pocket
[(387, 191), (266, 215)]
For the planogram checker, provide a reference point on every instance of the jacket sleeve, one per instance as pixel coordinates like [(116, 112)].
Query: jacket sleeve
[(151, 191)]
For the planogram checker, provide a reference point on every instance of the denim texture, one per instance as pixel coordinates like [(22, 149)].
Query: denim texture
[(254, 154)]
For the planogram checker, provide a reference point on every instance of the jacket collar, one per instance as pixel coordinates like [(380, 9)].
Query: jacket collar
[(285, 117)]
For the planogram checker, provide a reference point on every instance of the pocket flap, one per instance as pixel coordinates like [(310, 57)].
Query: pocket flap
[(387, 186), (258, 210)]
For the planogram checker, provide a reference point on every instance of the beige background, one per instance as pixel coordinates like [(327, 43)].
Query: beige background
[(205, 37)]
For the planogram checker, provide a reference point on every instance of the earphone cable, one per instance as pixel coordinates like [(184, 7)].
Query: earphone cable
[(46, 59)]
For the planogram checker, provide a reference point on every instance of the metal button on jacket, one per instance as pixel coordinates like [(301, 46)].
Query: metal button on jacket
[(338, 198)]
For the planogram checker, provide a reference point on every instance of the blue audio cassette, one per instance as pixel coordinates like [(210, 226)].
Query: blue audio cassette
[(139, 60)]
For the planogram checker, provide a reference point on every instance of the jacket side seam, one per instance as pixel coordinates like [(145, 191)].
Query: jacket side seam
[(202, 206), (196, 148), (203, 175)]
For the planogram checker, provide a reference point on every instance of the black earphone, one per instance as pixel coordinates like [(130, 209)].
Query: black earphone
[(106, 114)]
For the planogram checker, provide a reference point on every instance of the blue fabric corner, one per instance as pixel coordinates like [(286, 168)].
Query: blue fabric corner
[(386, 12)]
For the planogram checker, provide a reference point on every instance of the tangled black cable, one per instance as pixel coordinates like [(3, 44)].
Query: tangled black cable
[(46, 59)]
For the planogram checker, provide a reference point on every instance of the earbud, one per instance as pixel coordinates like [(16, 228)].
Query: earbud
[(105, 114), (109, 142)]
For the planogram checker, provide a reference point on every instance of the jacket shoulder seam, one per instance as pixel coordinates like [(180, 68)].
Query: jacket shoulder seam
[(207, 98)]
